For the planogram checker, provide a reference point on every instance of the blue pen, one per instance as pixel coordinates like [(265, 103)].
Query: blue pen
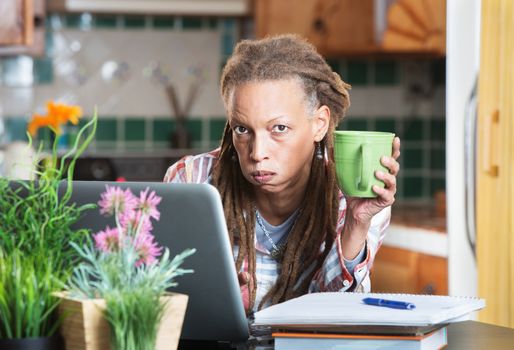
[(389, 303)]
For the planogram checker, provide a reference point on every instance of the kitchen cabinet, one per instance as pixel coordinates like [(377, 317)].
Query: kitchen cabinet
[(333, 26), (17, 26), (21, 27), (494, 169), (348, 27), (397, 270), (416, 26)]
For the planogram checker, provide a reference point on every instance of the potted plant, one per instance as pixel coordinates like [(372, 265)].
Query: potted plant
[(36, 237), (122, 282)]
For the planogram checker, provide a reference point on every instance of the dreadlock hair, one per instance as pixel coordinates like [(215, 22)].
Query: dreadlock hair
[(278, 58)]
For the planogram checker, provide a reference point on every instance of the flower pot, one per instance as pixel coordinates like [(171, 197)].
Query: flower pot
[(84, 327), (40, 343)]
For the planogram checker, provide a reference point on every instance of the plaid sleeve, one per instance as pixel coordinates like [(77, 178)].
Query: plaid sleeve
[(192, 169), (333, 275), (176, 173)]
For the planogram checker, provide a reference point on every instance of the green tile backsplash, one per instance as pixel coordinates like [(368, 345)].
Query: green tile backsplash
[(438, 129), (386, 73), (438, 71), (163, 22), (386, 124), (16, 128), (423, 149), (212, 23), (162, 129), (216, 128), (422, 160), (438, 159), (43, 67), (414, 130), (227, 44), (43, 71), (135, 129), (413, 186), (43, 135), (437, 184), (335, 65), (105, 21), (74, 21), (191, 23), (134, 22), (107, 129), (357, 73), (357, 123), (194, 126), (412, 158)]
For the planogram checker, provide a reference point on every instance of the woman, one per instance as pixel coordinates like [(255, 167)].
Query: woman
[(291, 228)]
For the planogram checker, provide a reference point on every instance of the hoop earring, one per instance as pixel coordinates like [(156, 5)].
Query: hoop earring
[(319, 152)]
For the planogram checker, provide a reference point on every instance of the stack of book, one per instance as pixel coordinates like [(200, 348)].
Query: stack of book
[(350, 321), (434, 340)]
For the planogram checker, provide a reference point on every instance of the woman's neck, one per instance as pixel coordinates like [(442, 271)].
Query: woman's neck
[(275, 208)]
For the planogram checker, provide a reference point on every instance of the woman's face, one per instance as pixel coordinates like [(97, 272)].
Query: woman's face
[(274, 133)]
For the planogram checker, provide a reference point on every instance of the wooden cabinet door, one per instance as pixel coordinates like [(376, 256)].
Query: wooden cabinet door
[(17, 22), (333, 26), (398, 270), (495, 170), (432, 275), (394, 271)]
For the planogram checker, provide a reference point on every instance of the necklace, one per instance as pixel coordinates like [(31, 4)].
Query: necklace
[(277, 250)]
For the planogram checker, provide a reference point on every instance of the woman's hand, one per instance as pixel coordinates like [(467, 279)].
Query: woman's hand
[(360, 211)]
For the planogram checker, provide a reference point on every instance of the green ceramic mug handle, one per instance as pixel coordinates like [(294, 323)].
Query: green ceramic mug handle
[(365, 164)]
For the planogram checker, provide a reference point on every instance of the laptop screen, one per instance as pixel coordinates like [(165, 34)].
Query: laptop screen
[(191, 217)]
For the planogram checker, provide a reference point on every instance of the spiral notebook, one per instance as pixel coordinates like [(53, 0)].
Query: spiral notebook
[(331, 310)]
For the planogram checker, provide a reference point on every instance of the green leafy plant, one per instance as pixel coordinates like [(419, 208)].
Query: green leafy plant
[(36, 233), (122, 267)]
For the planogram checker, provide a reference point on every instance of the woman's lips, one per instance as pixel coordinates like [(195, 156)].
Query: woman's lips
[(263, 177)]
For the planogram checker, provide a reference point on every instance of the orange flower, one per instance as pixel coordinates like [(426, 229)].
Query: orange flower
[(58, 113), (37, 122)]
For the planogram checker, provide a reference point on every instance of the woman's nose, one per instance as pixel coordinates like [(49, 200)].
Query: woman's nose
[(258, 152)]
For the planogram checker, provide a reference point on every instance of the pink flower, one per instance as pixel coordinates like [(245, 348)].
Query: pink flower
[(133, 223), (107, 240), (147, 249), (114, 199), (130, 222), (148, 203)]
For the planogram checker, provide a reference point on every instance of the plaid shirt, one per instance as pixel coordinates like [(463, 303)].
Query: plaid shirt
[(332, 276)]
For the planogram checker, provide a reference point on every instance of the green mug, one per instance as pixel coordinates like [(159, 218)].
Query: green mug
[(357, 156)]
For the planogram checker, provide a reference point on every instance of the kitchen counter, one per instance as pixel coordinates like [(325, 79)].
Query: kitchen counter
[(417, 228), (171, 153), (421, 216)]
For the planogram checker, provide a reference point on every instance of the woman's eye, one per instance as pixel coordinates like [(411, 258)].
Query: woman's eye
[(240, 130), (280, 128)]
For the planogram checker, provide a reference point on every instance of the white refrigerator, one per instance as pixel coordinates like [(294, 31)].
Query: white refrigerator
[(462, 67)]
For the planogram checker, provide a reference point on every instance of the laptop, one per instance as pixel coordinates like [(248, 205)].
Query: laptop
[(191, 217)]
